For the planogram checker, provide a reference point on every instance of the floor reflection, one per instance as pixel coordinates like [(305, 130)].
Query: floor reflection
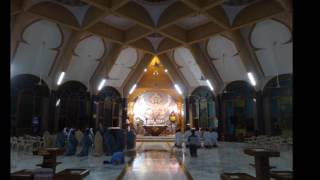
[(155, 164)]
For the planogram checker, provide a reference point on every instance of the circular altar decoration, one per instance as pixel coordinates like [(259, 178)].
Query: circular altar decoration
[(155, 108)]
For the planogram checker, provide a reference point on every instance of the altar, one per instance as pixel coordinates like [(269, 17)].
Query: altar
[(154, 114), (155, 130)]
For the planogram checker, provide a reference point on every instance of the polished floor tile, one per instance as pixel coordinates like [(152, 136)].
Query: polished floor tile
[(160, 160)]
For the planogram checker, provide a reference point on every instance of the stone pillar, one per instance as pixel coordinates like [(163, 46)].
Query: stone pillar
[(260, 126), (190, 112), (218, 108), (124, 109), (186, 119)]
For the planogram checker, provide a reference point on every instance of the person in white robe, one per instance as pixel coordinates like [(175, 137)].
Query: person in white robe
[(178, 138), (186, 136), (98, 144), (198, 133), (207, 139), (79, 136), (214, 138)]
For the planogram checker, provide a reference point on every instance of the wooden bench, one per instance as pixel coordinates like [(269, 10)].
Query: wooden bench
[(72, 174), (281, 175), (238, 176)]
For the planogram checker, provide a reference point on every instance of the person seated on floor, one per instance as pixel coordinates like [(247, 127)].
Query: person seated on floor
[(71, 144), (186, 136), (86, 143), (193, 142), (207, 139), (116, 159), (214, 137), (178, 137), (60, 139)]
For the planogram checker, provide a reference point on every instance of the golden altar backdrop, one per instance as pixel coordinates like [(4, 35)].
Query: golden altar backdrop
[(155, 98)]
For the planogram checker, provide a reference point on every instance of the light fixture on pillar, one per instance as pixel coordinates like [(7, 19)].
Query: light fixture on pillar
[(58, 102), (133, 88), (145, 70), (210, 85), (60, 78), (103, 81), (166, 70), (251, 78), (178, 89)]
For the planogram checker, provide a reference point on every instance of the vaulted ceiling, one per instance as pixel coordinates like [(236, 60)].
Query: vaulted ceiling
[(219, 40)]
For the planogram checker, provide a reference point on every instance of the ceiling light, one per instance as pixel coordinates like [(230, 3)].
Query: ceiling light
[(58, 102), (145, 70), (209, 84), (178, 88), (133, 88), (166, 70), (251, 78), (101, 84), (60, 78)]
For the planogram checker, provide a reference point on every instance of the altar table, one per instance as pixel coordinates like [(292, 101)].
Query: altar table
[(155, 130)]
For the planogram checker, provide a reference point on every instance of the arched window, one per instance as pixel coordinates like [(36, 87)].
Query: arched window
[(238, 109), (73, 105), (107, 107), (277, 100), (203, 107), (29, 99)]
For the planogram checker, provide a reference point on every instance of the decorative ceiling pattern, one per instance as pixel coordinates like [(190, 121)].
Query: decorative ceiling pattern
[(126, 60), (272, 42), (226, 59), (194, 21), (86, 59), (155, 27), (118, 22), (189, 68), (37, 51)]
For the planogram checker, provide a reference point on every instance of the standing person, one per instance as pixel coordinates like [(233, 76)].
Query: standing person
[(198, 133), (72, 143), (78, 135), (215, 123), (178, 137), (86, 143), (98, 144), (193, 142), (186, 136), (60, 140), (108, 142)]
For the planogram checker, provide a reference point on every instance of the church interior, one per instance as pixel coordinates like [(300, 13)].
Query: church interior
[(151, 89)]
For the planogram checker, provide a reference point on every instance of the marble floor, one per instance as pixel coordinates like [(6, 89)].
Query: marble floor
[(160, 160)]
